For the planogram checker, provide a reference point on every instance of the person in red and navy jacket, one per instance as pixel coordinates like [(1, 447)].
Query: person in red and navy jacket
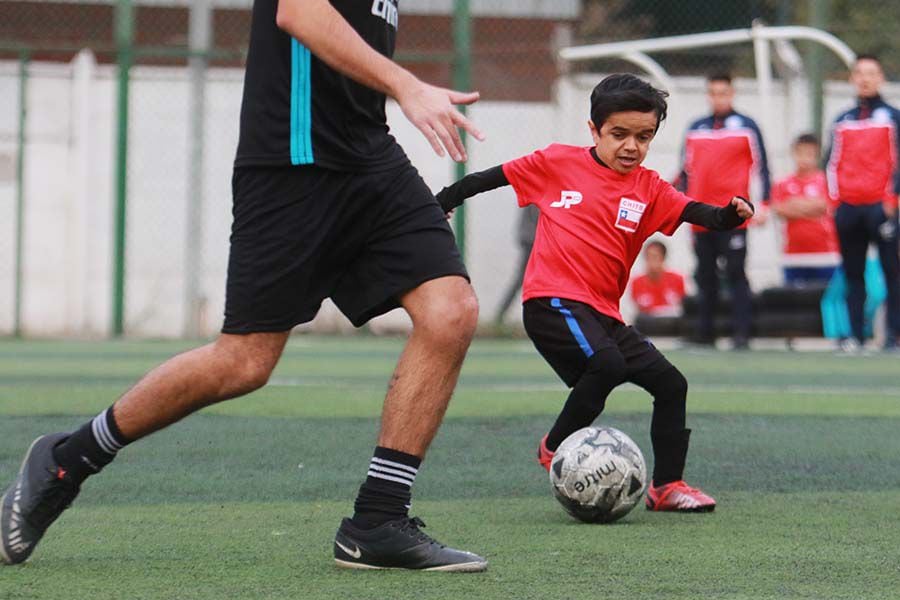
[(723, 152), (864, 177)]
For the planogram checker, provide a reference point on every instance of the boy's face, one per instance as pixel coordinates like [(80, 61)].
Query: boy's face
[(654, 260), (720, 95), (624, 139), (806, 156), (867, 77)]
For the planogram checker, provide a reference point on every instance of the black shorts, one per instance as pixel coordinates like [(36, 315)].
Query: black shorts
[(303, 234), (567, 333)]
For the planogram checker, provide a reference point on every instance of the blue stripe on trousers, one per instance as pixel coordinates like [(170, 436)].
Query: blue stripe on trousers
[(574, 327)]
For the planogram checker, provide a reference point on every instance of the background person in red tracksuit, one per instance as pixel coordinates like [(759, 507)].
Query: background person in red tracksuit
[(863, 175), (811, 251), (722, 153), (658, 292)]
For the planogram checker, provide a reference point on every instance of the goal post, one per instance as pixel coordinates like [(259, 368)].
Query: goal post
[(761, 36)]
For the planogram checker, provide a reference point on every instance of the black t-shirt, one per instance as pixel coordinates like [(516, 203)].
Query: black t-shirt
[(297, 110)]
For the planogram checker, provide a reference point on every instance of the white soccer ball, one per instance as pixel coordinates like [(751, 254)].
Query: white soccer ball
[(598, 474)]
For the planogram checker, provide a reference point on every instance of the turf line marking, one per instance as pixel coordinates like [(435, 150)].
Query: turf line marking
[(555, 387)]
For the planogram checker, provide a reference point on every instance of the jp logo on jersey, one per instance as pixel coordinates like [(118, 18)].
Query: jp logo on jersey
[(567, 199), (630, 213)]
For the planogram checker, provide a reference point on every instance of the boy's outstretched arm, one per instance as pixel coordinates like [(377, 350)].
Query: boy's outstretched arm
[(472, 184), (718, 218)]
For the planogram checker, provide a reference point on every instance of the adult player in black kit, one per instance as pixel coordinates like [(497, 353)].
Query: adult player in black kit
[(326, 204)]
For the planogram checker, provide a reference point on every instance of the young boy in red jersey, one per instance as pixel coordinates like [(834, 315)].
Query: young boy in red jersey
[(658, 292), (811, 250), (597, 207)]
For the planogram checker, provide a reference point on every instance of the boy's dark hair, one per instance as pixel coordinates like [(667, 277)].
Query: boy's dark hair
[(719, 76), (658, 244), (624, 92), (806, 138), (868, 56)]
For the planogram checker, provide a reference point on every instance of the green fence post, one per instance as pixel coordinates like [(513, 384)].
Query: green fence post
[(818, 18), (124, 47), (462, 80), (24, 58), (200, 41)]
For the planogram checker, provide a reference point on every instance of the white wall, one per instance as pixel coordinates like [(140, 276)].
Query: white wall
[(69, 190)]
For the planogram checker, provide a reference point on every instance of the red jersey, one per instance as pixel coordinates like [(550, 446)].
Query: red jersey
[(661, 296), (863, 166), (807, 242), (721, 157), (592, 225)]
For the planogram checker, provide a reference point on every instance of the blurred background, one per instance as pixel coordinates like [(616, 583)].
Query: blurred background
[(119, 121)]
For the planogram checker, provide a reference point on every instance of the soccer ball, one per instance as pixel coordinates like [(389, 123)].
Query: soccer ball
[(598, 474)]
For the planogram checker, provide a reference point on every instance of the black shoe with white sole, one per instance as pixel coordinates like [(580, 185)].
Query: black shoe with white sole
[(41, 492), (399, 544)]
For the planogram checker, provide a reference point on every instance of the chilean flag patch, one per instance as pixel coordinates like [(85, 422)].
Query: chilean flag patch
[(630, 213)]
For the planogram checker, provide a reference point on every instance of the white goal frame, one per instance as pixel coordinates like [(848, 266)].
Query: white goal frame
[(761, 36)]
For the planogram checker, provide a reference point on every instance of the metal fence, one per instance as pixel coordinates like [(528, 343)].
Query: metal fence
[(115, 163)]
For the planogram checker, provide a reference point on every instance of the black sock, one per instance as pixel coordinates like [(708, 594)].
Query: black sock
[(91, 447), (667, 427), (669, 456), (605, 370), (386, 493)]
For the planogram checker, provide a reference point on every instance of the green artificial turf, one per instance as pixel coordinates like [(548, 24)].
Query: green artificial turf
[(242, 500)]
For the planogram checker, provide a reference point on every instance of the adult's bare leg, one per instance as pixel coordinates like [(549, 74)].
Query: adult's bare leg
[(57, 464), (444, 313), (231, 366)]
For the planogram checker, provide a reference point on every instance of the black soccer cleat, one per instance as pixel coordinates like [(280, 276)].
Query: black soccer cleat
[(399, 544), (34, 500)]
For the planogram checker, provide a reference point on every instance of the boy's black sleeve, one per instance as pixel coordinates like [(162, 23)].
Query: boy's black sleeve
[(470, 185), (717, 218)]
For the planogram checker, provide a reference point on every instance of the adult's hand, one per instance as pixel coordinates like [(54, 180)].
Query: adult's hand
[(322, 29), (433, 111)]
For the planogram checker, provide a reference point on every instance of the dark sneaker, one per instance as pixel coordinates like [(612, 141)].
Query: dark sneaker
[(399, 544), (35, 499)]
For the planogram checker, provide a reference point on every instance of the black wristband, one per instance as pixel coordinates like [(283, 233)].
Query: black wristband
[(470, 185), (448, 200)]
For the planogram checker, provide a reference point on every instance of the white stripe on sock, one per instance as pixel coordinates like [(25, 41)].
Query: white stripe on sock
[(395, 465), (98, 436), (403, 474), (378, 475), (103, 436), (104, 424), (104, 427)]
